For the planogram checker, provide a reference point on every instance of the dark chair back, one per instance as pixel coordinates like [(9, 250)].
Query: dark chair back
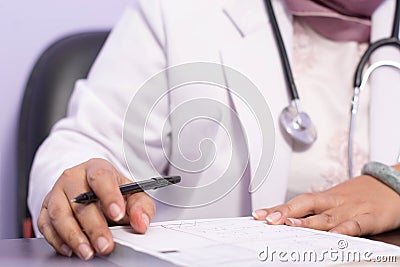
[(45, 102)]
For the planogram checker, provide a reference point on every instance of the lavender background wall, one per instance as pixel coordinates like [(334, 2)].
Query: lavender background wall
[(27, 28)]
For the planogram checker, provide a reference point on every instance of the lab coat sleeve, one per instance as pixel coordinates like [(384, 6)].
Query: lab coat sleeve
[(93, 127)]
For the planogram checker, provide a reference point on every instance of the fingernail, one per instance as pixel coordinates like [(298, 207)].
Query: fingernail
[(66, 250), (293, 221), (85, 251), (273, 217), (102, 244), (115, 212), (259, 214), (146, 220)]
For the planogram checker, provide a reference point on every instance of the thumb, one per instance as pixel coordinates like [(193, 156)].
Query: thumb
[(141, 210)]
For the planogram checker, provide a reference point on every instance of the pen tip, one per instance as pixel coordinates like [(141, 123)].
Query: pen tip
[(73, 200)]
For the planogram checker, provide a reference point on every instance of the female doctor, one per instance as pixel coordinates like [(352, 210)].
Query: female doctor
[(85, 151)]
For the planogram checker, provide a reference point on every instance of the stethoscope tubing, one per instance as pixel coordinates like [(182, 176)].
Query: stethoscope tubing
[(355, 103), (392, 41), (291, 85), (360, 80)]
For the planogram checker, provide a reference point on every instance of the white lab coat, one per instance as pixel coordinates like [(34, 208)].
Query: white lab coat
[(157, 34)]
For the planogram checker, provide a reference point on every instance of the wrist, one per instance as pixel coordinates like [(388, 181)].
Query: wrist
[(384, 173)]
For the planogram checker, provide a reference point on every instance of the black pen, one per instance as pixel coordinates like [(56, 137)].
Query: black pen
[(132, 188)]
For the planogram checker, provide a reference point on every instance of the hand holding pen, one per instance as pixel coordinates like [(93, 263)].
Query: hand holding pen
[(83, 229)]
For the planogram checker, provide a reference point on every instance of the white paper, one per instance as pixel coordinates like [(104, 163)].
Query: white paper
[(246, 242)]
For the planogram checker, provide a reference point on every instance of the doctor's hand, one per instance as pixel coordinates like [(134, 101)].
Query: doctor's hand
[(83, 229), (359, 206)]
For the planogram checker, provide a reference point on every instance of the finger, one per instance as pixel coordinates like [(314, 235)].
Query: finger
[(359, 225), (123, 221), (141, 210), (323, 221), (259, 214), (49, 233), (93, 222), (68, 229), (90, 217), (104, 180), (303, 205)]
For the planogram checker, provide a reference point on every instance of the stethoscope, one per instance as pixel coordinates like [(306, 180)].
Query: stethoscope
[(296, 122)]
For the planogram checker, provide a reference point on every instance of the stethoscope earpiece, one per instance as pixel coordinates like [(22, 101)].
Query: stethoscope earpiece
[(298, 125)]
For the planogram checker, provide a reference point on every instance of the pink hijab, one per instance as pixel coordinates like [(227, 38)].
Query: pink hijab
[(339, 20)]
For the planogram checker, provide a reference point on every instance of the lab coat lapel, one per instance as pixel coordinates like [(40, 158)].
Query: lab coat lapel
[(255, 55), (385, 91)]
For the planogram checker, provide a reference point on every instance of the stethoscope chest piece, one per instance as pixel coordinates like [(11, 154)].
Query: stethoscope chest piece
[(298, 125)]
